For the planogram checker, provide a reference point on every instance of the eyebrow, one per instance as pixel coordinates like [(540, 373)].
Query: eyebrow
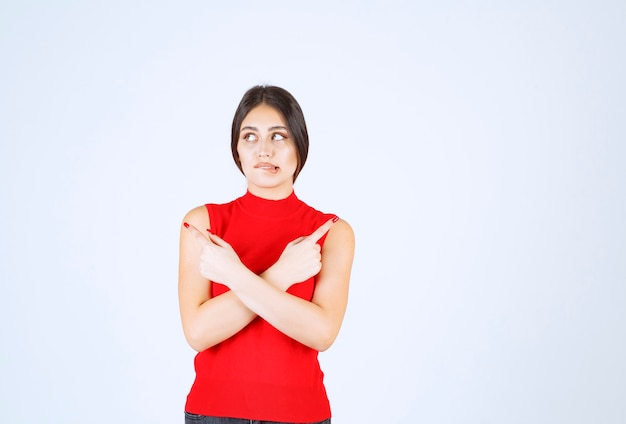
[(274, 128)]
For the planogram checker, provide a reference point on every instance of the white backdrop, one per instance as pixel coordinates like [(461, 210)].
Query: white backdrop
[(477, 149)]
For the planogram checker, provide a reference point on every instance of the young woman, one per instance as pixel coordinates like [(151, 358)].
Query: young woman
[(263, 280)]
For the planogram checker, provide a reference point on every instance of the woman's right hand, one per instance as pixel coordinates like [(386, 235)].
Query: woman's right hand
[(218, 260), (300, 260)]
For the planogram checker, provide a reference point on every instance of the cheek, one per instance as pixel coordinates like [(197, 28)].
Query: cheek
[(295, 162), (292, 156), (242, 155)]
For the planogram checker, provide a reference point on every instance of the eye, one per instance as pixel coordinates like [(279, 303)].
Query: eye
[(278, 137), (249, 137)]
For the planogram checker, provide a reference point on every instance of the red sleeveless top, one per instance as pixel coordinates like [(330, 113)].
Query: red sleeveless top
[(260, 373)]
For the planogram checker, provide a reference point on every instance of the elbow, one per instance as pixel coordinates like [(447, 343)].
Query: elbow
[(325, 340), (195, 340), (323, 345), (198, 347), (194, 343)]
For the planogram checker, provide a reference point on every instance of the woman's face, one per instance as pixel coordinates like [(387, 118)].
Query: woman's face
[(267, 153)]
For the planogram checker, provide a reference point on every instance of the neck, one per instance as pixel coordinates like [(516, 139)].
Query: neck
[(274, 193)]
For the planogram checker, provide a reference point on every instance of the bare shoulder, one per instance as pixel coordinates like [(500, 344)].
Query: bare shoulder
[(198, 217), (340, 234)]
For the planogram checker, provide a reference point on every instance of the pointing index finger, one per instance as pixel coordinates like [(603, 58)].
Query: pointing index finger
[(323, 229), (197, 234)]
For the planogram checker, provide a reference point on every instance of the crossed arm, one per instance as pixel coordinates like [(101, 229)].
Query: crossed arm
[(208, 321)]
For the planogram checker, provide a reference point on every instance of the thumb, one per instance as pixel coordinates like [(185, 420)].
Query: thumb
[(217, 239), (296, 241)]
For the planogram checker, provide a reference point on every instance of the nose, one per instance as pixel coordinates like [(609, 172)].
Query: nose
[(265, 148)]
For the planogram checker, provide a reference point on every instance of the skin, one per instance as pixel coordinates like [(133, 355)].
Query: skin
[(268, 158), (265, 142)]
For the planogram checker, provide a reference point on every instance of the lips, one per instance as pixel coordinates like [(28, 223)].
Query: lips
[(266, 166)]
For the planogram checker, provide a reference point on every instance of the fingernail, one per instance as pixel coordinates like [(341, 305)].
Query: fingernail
[(186, 225), (335, 219)]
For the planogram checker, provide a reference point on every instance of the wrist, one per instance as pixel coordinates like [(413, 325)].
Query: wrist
[(237, 275), (272, 277)]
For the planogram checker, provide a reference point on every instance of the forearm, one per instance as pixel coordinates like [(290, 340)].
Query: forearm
[(299, 319), (216, 320), (221, 317)]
